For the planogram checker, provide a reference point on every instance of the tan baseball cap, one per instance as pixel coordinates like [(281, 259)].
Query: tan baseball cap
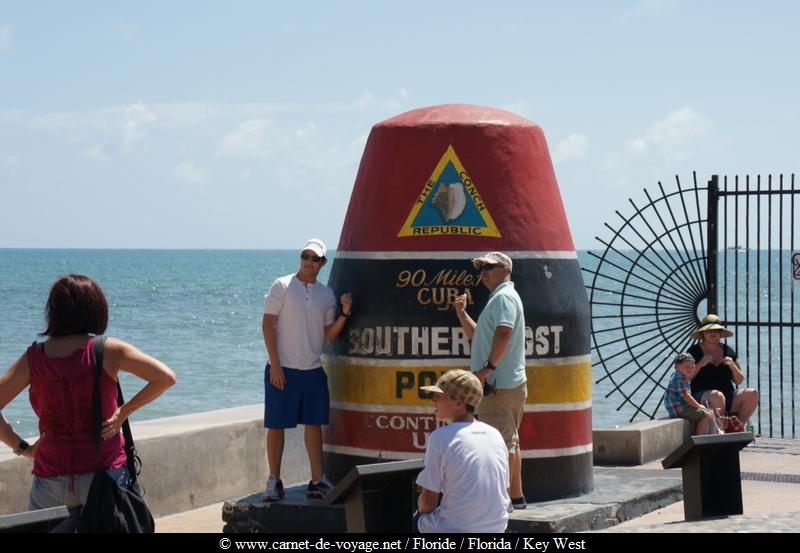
[(460, 385), (492, 258)]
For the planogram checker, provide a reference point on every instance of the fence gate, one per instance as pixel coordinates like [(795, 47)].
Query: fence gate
[(724, 248)]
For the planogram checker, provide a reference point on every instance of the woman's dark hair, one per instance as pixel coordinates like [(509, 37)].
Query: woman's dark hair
[(76, 305)]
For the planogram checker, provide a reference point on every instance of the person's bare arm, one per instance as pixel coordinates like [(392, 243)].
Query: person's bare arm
[(466, 322), (122, 356), (276, 375), (690, 401), (500, 343), (333, 329), (736, 373), (13, 440), (428, 501)]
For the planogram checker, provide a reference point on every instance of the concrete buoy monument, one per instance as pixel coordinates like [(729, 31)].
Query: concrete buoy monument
[(436, 187)]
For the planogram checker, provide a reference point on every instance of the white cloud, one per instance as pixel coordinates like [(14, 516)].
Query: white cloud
[(55, 123), (572, 147), (186, 115), (670, 146), (307, 132), (5, 38), (134, 124), (96, 152), (368, 100), (674, 138), (310, 158), (254, 138), (188, 173), (309, 147), (104, 132)]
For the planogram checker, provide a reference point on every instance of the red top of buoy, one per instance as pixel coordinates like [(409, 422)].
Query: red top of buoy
[(455, 114), (456, 177)]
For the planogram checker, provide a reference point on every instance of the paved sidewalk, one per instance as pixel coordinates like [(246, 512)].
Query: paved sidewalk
[(197, 521), (770, 496)]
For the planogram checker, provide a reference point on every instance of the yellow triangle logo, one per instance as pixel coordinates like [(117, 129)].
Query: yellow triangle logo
[(449, 204)]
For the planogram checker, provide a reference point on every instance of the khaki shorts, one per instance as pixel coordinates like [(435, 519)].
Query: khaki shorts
[(503, 410), (694, 414)]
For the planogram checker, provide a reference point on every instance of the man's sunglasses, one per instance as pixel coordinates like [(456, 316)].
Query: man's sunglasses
[(489, 266), (314, 258)]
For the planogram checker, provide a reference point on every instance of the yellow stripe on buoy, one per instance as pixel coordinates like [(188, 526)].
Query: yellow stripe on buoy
[(570, 383), (399, 385)]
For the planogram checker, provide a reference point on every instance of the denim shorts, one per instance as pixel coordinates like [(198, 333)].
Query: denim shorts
[(70, 491)]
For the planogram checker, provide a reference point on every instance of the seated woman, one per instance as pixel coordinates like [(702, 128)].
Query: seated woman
[(718, 371), (60, 373)]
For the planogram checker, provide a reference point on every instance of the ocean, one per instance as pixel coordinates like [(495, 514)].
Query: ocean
[(199, 311)]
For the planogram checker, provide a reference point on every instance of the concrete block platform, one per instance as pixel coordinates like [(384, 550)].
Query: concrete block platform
[(294, 514), (620, 494), (639, 443)]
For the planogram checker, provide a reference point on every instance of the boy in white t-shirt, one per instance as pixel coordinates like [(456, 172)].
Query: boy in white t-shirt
[(466, 462)]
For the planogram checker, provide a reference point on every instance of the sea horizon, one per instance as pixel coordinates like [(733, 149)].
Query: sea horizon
[(199, 310)]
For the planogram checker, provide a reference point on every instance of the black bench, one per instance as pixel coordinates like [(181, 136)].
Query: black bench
[(42, 520), (379, 497), (712, 479)]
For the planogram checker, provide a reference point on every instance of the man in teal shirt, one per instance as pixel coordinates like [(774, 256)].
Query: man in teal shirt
[(498, 358)]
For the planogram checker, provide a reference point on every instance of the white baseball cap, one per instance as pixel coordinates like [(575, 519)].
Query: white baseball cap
[(317, 246)]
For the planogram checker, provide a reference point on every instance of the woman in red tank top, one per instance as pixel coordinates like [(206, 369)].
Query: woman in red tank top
[(60, 374)]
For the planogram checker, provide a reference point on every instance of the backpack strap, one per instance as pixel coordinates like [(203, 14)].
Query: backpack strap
[(132, 459), (98, 347)]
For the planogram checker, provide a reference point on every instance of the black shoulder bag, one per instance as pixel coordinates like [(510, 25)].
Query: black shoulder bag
[(110, 507)]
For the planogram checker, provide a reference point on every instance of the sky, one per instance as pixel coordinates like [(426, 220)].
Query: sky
[(194, 124)]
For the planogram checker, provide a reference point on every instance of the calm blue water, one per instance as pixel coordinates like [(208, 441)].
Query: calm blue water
[(200, 312)]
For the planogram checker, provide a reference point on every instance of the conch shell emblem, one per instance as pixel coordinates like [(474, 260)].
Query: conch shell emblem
[(450, 200)]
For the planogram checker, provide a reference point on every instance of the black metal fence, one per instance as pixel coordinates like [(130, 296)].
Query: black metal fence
[(755, 287), (696, 250)]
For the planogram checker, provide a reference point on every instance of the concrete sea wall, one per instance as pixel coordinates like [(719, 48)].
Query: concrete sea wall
[(187, 461)]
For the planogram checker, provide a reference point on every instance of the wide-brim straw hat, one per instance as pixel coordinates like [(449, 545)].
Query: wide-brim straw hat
[(710, 322)]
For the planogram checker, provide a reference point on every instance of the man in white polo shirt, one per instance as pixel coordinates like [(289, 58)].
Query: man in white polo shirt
[(497, 357), (299, 315)]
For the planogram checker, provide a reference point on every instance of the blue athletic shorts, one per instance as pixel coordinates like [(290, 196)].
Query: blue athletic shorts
[(303, 400)]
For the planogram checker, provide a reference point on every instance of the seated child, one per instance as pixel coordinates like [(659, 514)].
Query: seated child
[(679, 401), (466, 462)]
